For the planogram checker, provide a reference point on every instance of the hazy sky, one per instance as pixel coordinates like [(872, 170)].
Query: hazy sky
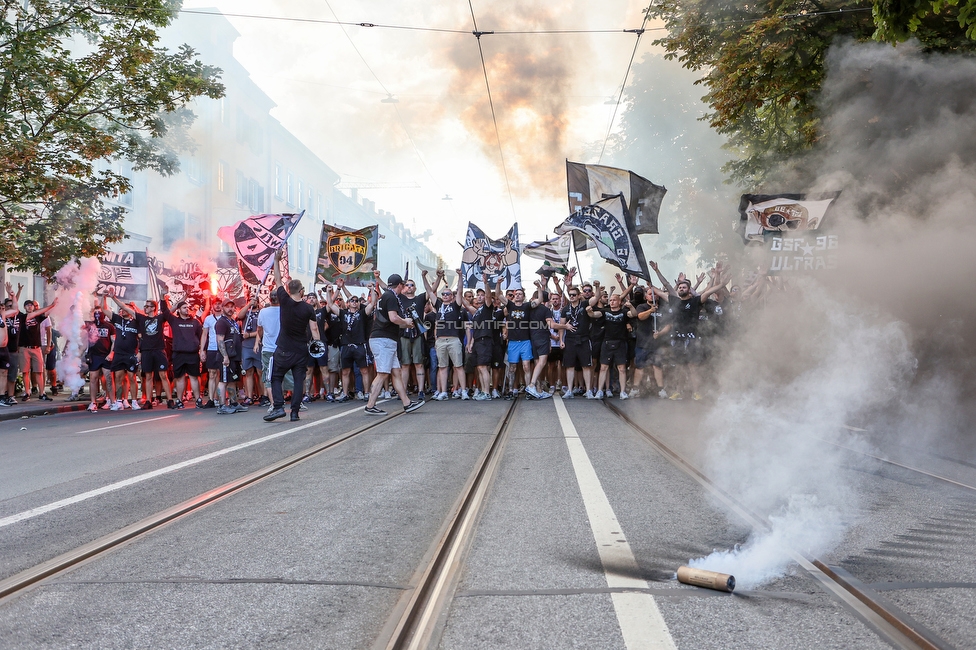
[(549, 92)]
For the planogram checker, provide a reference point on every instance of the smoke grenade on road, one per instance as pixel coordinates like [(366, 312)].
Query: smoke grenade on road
[(707, 579)]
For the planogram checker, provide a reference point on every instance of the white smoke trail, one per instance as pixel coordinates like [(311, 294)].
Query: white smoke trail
[(75, 282)]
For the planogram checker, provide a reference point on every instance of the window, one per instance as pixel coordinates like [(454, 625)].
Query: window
[(301, 195), (174, 225), (301, 253), (255, 196), (221, 176), (279, 182), (224, 112), (310, 203), (291, 251), (241, 193), (290, 189), (311, 256), (318, 208)]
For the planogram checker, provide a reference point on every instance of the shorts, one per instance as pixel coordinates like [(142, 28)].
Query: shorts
[(335, 361), (541, 348), (449, 350), (355, 355), (288, 383), (578, 352), (154, 361), (186, 363), (686, 350), (251, 359), (4, 361), (411, 350), (597, 349), (214, 360), (613, 353), (126, 362), (631, 349), (384, 355), (229, 373), (94, 363), (51, 360), (555, 355), (32, 360), (645, 358), (519, 351), (469, 365), (497, 353), (483, 351)]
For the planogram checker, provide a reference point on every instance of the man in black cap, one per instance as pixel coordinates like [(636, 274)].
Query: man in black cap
[(297, 317), (388, 320)]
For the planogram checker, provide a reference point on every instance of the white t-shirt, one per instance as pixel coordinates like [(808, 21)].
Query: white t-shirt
[(269, 320), (210, 322)]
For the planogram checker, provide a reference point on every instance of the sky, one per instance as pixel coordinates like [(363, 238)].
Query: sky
[(549, 92)]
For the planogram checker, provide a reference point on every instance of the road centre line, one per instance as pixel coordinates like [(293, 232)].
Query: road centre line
[(125, 424), (640, 620), (40, 510)]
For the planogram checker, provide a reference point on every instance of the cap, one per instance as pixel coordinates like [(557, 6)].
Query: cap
[(394, 280), (229, 301)]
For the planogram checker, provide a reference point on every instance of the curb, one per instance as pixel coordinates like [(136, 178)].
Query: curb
[(36, 411)]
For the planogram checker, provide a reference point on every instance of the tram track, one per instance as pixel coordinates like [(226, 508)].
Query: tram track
[(895, 626), (14, 585)]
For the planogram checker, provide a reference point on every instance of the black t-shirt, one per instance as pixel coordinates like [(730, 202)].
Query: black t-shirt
[(333, 333), (126, 335), (597, 327), (99, 338), (419, 303), (151, 330), (615, 324), (354, 327), (645, 328), (686, 313), (578, 318), (294, 316), (482, 322), (13, 333), (186, 331), (230, 330), (498, 320), (540, 323), (518, 321), (383, 327), (450, 319), (30, 330), (712, 320)]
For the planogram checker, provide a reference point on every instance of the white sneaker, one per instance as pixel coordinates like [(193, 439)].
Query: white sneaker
[(599, 394), (663, 394), (108, 405), (623, 395), (116, 406), (92, 408), (359, 395), (589, 395), (135, 406), (533, 391), (568, 394), (125, 404), (456, 394), (481, 397), (464, 395), (440, 397), (495, 394)]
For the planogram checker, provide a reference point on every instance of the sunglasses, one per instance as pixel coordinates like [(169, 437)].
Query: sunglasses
[(574, 295)]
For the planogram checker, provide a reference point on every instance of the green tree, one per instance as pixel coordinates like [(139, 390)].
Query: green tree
[(85, 83), (764, 64)]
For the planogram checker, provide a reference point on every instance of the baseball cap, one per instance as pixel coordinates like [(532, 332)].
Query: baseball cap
[(394, 280)]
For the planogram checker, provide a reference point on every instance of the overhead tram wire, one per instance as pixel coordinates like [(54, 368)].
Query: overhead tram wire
[(491, 105)]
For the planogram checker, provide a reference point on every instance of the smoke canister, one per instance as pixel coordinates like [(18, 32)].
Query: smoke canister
[(707, 579)]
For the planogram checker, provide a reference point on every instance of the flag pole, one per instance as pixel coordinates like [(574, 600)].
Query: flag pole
[(579, 269)]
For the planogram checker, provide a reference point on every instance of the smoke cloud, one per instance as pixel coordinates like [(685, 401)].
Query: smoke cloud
[(75, 282), (886, 342)]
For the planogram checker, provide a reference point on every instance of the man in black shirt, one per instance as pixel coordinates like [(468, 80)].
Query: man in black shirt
[(354, 331), (616, 317), (187, 354), (152, 349), (297, 317), (229, 344), (125, 362), (412, 344), (388, 322), (448, 333), (100, 332), (32, 359), (575, 341)]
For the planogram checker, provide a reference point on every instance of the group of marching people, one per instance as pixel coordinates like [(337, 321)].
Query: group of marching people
[(400, 339)]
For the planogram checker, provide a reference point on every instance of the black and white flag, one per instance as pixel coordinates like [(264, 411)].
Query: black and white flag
[(554, 252), (588, 184), (605, 223), (498, 258), (781, 213)]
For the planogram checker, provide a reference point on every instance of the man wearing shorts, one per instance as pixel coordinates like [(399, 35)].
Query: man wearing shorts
[(480, 343), (353, 351), (187, 352), (125, 362), (412, 344), (449, 330), (577, 349), (100, 333), (388, 321), (250, 359), (229, 344), (31, 357), (518, 330)]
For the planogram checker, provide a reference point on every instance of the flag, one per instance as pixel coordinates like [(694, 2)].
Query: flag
[(588, 184), (127, 273), (347, 253), (228, 279), (257, 239), (608, 225), (499, 258), (185, 280), (431, 271), (554, 252), (768, 213)]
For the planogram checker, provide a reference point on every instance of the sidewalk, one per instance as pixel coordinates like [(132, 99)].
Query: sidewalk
[(36, 407)]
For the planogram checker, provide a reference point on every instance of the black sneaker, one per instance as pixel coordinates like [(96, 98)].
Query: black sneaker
[(210, 404), (412, 406), (24, 397), (294, 417), (179, 404), (199, 403), (274, 415), (372, 410), (4, 401), (264, 401), (45, 398)]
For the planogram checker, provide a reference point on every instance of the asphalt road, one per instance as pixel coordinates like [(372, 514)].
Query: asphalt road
[(583, 529)]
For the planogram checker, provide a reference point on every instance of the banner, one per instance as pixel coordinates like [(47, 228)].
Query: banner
[(499, 258), (256, 239), (554, 252), (127, 273), (791, 253), (185, 280), (346, 253), (587, 184), (785, 213), (607, 224)]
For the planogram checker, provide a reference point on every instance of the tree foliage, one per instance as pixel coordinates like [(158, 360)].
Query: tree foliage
[(764, 63), (85, 83)]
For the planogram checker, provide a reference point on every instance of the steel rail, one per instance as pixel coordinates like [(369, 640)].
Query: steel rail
[(17, 583), (889, 624), (418, 616), (943, 479)]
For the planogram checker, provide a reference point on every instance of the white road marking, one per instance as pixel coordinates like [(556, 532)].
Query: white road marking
[(40, 510), (641, 623), (127, 424)]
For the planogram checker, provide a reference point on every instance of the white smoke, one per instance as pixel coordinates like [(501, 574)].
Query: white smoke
[(75, 282)]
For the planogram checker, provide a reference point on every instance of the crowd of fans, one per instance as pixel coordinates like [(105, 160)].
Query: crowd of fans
[(395, 339)]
